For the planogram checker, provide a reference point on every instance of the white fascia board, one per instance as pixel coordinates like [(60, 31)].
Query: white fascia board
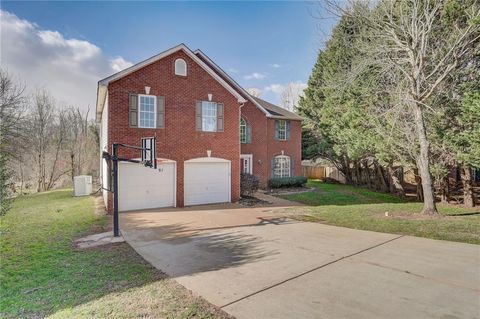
[(207, 160), (220, 70), (102, 92), (104, 83)]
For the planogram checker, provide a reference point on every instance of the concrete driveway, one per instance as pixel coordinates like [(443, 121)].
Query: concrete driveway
[(253, 263)]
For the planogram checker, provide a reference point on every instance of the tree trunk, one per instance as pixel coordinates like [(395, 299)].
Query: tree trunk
[(368, 176), (72, 166), (356, 171), (348, 173), (468, 198), (22, 178), (423, 163), (395, 183), (418, 183), (445, 189), (383, 186)]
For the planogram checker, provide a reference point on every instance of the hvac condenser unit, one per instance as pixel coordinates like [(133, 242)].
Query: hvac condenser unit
[(82, 185)]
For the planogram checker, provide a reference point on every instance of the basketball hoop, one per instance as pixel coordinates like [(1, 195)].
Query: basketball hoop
[(149, 151), (149, 159)]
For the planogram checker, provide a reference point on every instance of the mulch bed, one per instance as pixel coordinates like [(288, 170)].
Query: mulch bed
[(252, 201)]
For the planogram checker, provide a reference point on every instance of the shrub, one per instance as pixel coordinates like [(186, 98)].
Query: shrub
[(295, 181), (248, 184)]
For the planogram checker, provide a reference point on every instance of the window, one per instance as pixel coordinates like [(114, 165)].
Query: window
[(243, 130), (180, 67), (281, 166), (209, 116), (147, 107), (281, 130)]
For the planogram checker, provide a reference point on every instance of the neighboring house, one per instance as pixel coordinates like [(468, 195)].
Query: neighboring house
[(208, 130)]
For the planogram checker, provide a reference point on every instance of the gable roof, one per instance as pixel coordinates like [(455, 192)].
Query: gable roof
[(103, 84), (268, 108)]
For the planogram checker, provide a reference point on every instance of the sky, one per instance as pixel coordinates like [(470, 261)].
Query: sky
[(67, 47)]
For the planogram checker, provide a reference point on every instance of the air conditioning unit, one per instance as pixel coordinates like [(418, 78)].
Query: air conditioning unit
[(82, 185)]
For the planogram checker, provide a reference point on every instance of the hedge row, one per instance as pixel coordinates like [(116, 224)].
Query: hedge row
[(295, 181)]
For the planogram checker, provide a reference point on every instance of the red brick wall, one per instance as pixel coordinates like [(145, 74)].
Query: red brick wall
[(258, 148), (264, 146), (178, 141), (291, 147)]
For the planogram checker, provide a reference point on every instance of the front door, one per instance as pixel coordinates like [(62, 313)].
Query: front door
[(246, 163)]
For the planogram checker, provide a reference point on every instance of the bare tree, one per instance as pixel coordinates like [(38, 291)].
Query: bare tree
[(409, 39), (12, 105), (41, 122), (12, 112), (254, 92), (77, 140), (291, 94)]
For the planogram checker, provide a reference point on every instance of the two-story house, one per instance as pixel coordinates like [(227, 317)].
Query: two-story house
[(208, 130)]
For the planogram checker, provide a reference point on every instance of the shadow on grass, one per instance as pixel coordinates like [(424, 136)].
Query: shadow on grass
[(464, 214), (325, 194)]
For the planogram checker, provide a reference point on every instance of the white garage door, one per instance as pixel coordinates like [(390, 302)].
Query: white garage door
[(207, 181), (140, 187)]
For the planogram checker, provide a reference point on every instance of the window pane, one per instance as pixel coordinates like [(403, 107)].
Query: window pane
[(147, 111), (281, 166), (209, 116)]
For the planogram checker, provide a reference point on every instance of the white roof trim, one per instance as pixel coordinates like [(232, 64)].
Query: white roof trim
[(160, 160), (103, 84), (241, 89), (207, 160)]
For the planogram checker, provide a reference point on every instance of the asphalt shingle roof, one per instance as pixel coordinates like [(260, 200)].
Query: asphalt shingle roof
[(277, 111)]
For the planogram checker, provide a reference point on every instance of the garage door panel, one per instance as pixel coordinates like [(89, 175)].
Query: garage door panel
[(142, 187), (207, 183)]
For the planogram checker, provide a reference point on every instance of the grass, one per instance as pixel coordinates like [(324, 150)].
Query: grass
[(42, 274), (360, 208)]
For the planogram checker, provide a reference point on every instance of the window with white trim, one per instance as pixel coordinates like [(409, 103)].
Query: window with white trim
[(281, 166), (180, 67), (282, 130), (243, 130), (209, 116), (147, 110)]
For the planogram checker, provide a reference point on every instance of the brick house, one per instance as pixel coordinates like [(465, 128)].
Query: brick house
[(208, 130)]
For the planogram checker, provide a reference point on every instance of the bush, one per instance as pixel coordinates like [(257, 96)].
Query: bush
[(248, 184), (279, 182)]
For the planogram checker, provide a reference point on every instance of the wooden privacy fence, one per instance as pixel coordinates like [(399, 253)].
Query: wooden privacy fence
[(313, 172)]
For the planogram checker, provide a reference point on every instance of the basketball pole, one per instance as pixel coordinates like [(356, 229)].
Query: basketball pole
[(116, 226), (152, 162)]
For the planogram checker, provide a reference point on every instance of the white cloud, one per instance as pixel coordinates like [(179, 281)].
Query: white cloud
[(275, 65), (68, 68), (275, 88), (118, 64), (255, 75), (232, 70)]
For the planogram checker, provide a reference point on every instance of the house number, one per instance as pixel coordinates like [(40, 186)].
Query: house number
[(160, 169)]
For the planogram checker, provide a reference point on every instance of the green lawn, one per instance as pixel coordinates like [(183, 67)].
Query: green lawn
[(42, 274), (360, 208)]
